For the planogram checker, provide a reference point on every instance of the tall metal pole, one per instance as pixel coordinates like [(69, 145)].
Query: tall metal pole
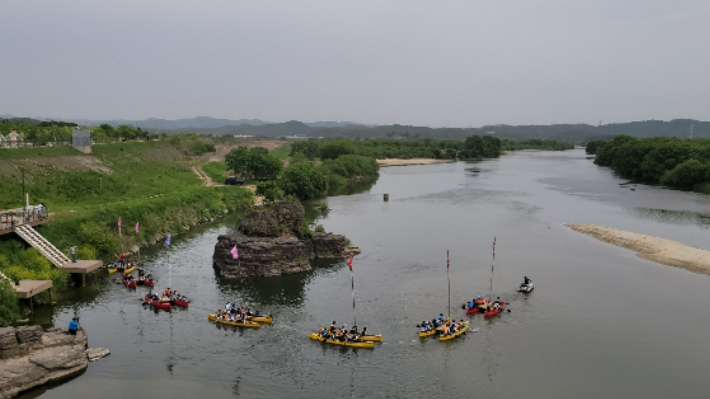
[(448, 278)]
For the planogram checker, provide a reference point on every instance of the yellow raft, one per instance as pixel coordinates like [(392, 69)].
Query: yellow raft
[(432, 332), (261, 319), (249, 324), (112, 270), (456, 334), (368, 345), (371, 338), (128, 271)]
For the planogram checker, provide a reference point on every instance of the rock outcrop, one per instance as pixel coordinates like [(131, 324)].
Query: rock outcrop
[(30, 357), (270, 241)]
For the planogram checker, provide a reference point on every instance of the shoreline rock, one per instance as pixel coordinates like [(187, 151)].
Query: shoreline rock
[(30, 357)]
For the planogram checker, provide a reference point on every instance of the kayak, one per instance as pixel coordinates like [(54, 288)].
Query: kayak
[(495, 312), (371, 338), (112, 270), (249, 324), (526, 287), (368, 345), (427, 334), (261, 319), (132, 284), (456, 334), (149, 283), (180, 303), (128, 271), (161, 305), (434, 331), (473, 311)]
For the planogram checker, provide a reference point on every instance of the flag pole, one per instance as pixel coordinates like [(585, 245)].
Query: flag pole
[(493, 265), (449, 279)]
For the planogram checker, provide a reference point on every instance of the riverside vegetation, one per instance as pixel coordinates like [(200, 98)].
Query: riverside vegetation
[(150, 183), (674, 162)]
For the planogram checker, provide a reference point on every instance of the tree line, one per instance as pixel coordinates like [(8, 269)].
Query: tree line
[(680, 163)]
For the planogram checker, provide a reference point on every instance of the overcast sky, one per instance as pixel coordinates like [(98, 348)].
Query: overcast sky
[(435, 63)]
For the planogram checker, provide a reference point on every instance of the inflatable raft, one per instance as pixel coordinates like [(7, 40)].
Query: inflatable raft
[(456, 334), (367, 345)]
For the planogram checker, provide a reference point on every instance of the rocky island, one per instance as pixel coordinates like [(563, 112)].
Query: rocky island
[(273, 239)]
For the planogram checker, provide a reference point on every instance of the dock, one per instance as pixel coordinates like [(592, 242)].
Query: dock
[(33, 216)]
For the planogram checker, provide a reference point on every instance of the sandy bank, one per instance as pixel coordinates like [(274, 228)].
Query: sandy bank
[(656, 249), (412, 161)]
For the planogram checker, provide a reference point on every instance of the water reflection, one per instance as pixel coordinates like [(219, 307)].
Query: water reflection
[(286, 289)]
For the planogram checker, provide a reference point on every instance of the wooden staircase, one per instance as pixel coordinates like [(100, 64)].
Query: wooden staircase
[(41, 244)]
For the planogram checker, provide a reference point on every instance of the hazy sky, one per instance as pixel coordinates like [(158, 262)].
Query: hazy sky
[(436, 63)]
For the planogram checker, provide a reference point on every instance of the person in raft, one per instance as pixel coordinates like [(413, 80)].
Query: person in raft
[(73, 326), (526, 281)]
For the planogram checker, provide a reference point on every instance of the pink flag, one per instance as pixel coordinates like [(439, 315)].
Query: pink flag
[(234, 252), (350, 262), (494, 242), (119, 222), (137, 227)]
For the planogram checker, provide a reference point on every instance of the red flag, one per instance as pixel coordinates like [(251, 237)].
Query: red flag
[(350, 262), (119, 222), (494, 242)]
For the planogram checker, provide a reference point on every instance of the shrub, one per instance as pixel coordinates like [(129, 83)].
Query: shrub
[(304, 180), (336, 148), (253, 164), (9, 311)]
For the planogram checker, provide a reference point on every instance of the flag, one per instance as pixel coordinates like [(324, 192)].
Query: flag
[(167, 240), (494, 242), (138, 227), (447, 258), (350, 262), (119, 222), (234, 252)]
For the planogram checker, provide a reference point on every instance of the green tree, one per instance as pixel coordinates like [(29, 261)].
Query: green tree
[(253, 164), (9, 311), (304, 180), (687, 174), (336, 148), (308, 148)]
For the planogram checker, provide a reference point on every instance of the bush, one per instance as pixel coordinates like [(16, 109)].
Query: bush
[(687, 174), (308, 148), (101, 239), (270, 190), (9, 311), (349, 166), (336, 148), (253, 164), (200, 147), (320, 229), (304, 180)]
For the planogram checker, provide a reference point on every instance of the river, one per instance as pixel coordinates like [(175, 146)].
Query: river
[(601, 323)]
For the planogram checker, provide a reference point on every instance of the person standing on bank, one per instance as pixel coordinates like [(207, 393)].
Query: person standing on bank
[(72, 250)]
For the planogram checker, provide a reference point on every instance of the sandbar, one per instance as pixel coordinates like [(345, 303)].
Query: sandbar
[(411, 161), (659, 250)]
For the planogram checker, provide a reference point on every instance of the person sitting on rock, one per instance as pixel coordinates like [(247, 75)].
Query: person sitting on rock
[(73, 326)]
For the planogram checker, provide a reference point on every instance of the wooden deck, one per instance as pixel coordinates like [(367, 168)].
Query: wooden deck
[(16, 217), (82, 266), (29, 288)]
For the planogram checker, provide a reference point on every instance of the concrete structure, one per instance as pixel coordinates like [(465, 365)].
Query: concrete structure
[(81, 140)]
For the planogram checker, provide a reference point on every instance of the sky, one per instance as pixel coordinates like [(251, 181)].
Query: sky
[(431, 63)]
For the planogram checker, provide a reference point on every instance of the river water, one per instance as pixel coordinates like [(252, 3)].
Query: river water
[(601, 323)]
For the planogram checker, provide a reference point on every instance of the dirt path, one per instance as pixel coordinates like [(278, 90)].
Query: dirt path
[(206, 180), (655, 249)]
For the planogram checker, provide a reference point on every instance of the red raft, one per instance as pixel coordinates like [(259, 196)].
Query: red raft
[(180, 303), (149, 283), (132, 284), (495, 312), (161, 305)]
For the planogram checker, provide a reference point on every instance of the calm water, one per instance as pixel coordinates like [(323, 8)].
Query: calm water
[(601, 322)]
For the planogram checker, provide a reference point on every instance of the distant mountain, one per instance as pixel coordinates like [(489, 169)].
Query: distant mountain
[(200, 122), (335, 124)]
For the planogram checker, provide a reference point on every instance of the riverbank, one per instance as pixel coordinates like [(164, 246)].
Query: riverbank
[(659, 250), (411, 161)]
